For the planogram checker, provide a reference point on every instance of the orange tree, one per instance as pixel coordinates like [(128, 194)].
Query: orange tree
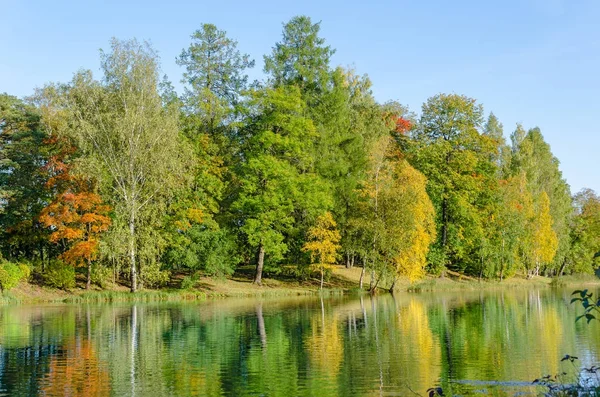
[(76, 215)]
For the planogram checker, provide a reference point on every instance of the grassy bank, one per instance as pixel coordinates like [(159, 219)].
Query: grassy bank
[(342, 281)]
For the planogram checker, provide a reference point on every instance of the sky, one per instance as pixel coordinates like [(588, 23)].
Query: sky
[(535, 62)]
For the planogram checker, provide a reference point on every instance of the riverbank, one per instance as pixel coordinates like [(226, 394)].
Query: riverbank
[(342, 281)]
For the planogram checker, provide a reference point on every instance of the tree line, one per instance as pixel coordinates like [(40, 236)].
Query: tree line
[(133, 182)]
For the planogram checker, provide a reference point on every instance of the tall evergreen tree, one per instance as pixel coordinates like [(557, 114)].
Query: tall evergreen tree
[(301, 58)]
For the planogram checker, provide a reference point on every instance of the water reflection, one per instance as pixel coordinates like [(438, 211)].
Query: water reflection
[(468, 343)]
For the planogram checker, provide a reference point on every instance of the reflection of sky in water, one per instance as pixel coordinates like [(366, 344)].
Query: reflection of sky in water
[(492, 343)]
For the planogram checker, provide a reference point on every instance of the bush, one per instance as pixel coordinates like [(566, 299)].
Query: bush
[(11, 275), (59, 275), (437, 260), (25, 271), (152, 276), (189, 282), (101, 276)]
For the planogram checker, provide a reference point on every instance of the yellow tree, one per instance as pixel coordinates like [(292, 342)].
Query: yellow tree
[(415, 228), (545, 241), (323, 239)]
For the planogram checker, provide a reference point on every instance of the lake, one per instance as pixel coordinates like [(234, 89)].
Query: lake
[(469, 343)]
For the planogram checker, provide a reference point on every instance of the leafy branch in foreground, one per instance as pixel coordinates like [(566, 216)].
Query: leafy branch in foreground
[(590, 305)]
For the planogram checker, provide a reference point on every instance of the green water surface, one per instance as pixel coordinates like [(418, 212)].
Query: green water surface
[(469, 343)]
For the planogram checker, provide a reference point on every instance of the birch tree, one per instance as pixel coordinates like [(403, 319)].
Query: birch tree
[(129, 139)]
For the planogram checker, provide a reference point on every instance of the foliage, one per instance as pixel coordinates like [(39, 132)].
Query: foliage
[(214, 75), (129, 141), (23, 153), (585, 233), (301, 58), (189, 282), (323, 239), (447, 150), (275, 180), (122, 174), (545, 242), (11, 274), (210, 250), (60, 275), (77, 216), (101, 276)]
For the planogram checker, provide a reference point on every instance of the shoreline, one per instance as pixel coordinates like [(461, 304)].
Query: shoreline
[(343, 282)]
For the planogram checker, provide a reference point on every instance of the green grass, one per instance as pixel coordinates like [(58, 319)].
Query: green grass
[(140, 296), (344, 281)]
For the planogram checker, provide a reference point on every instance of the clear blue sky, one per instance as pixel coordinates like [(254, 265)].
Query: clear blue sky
[(531, 61)]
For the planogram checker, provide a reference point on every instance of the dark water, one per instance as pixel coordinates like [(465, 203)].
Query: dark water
[(491, 343)]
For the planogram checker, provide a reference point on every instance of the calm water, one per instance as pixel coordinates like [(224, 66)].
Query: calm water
[(491, 343)]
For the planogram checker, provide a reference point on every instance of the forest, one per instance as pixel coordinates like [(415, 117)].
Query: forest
[(119, 178)]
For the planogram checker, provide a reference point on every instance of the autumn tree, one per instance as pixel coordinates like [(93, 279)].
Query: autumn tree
[(532, 155), (545, 241), (129, 140), (77, 215), (418, 232), (396, 216), (323, 239)]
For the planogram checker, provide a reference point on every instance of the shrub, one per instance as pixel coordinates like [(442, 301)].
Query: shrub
[(60, 275), (153, 276), (25, 271), (11, 274), (189, 282), (101, 276)]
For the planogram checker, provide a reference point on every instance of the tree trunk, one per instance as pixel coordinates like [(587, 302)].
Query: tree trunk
[(88, 284), (444, 222), (322, 279), (348, 261), (132, 251), (261, 325), (42, 256), (362, 276), (372, 280), (393, 285), (259, 265), (374, 287), (352, 261), (562, 268)]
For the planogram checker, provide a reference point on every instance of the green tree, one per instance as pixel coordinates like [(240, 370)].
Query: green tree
[(129, 141), (532, 155), (447, 150), (23, 194), (275, 179), (301, 58), (214, 77), (585, 233), (501, 154)]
